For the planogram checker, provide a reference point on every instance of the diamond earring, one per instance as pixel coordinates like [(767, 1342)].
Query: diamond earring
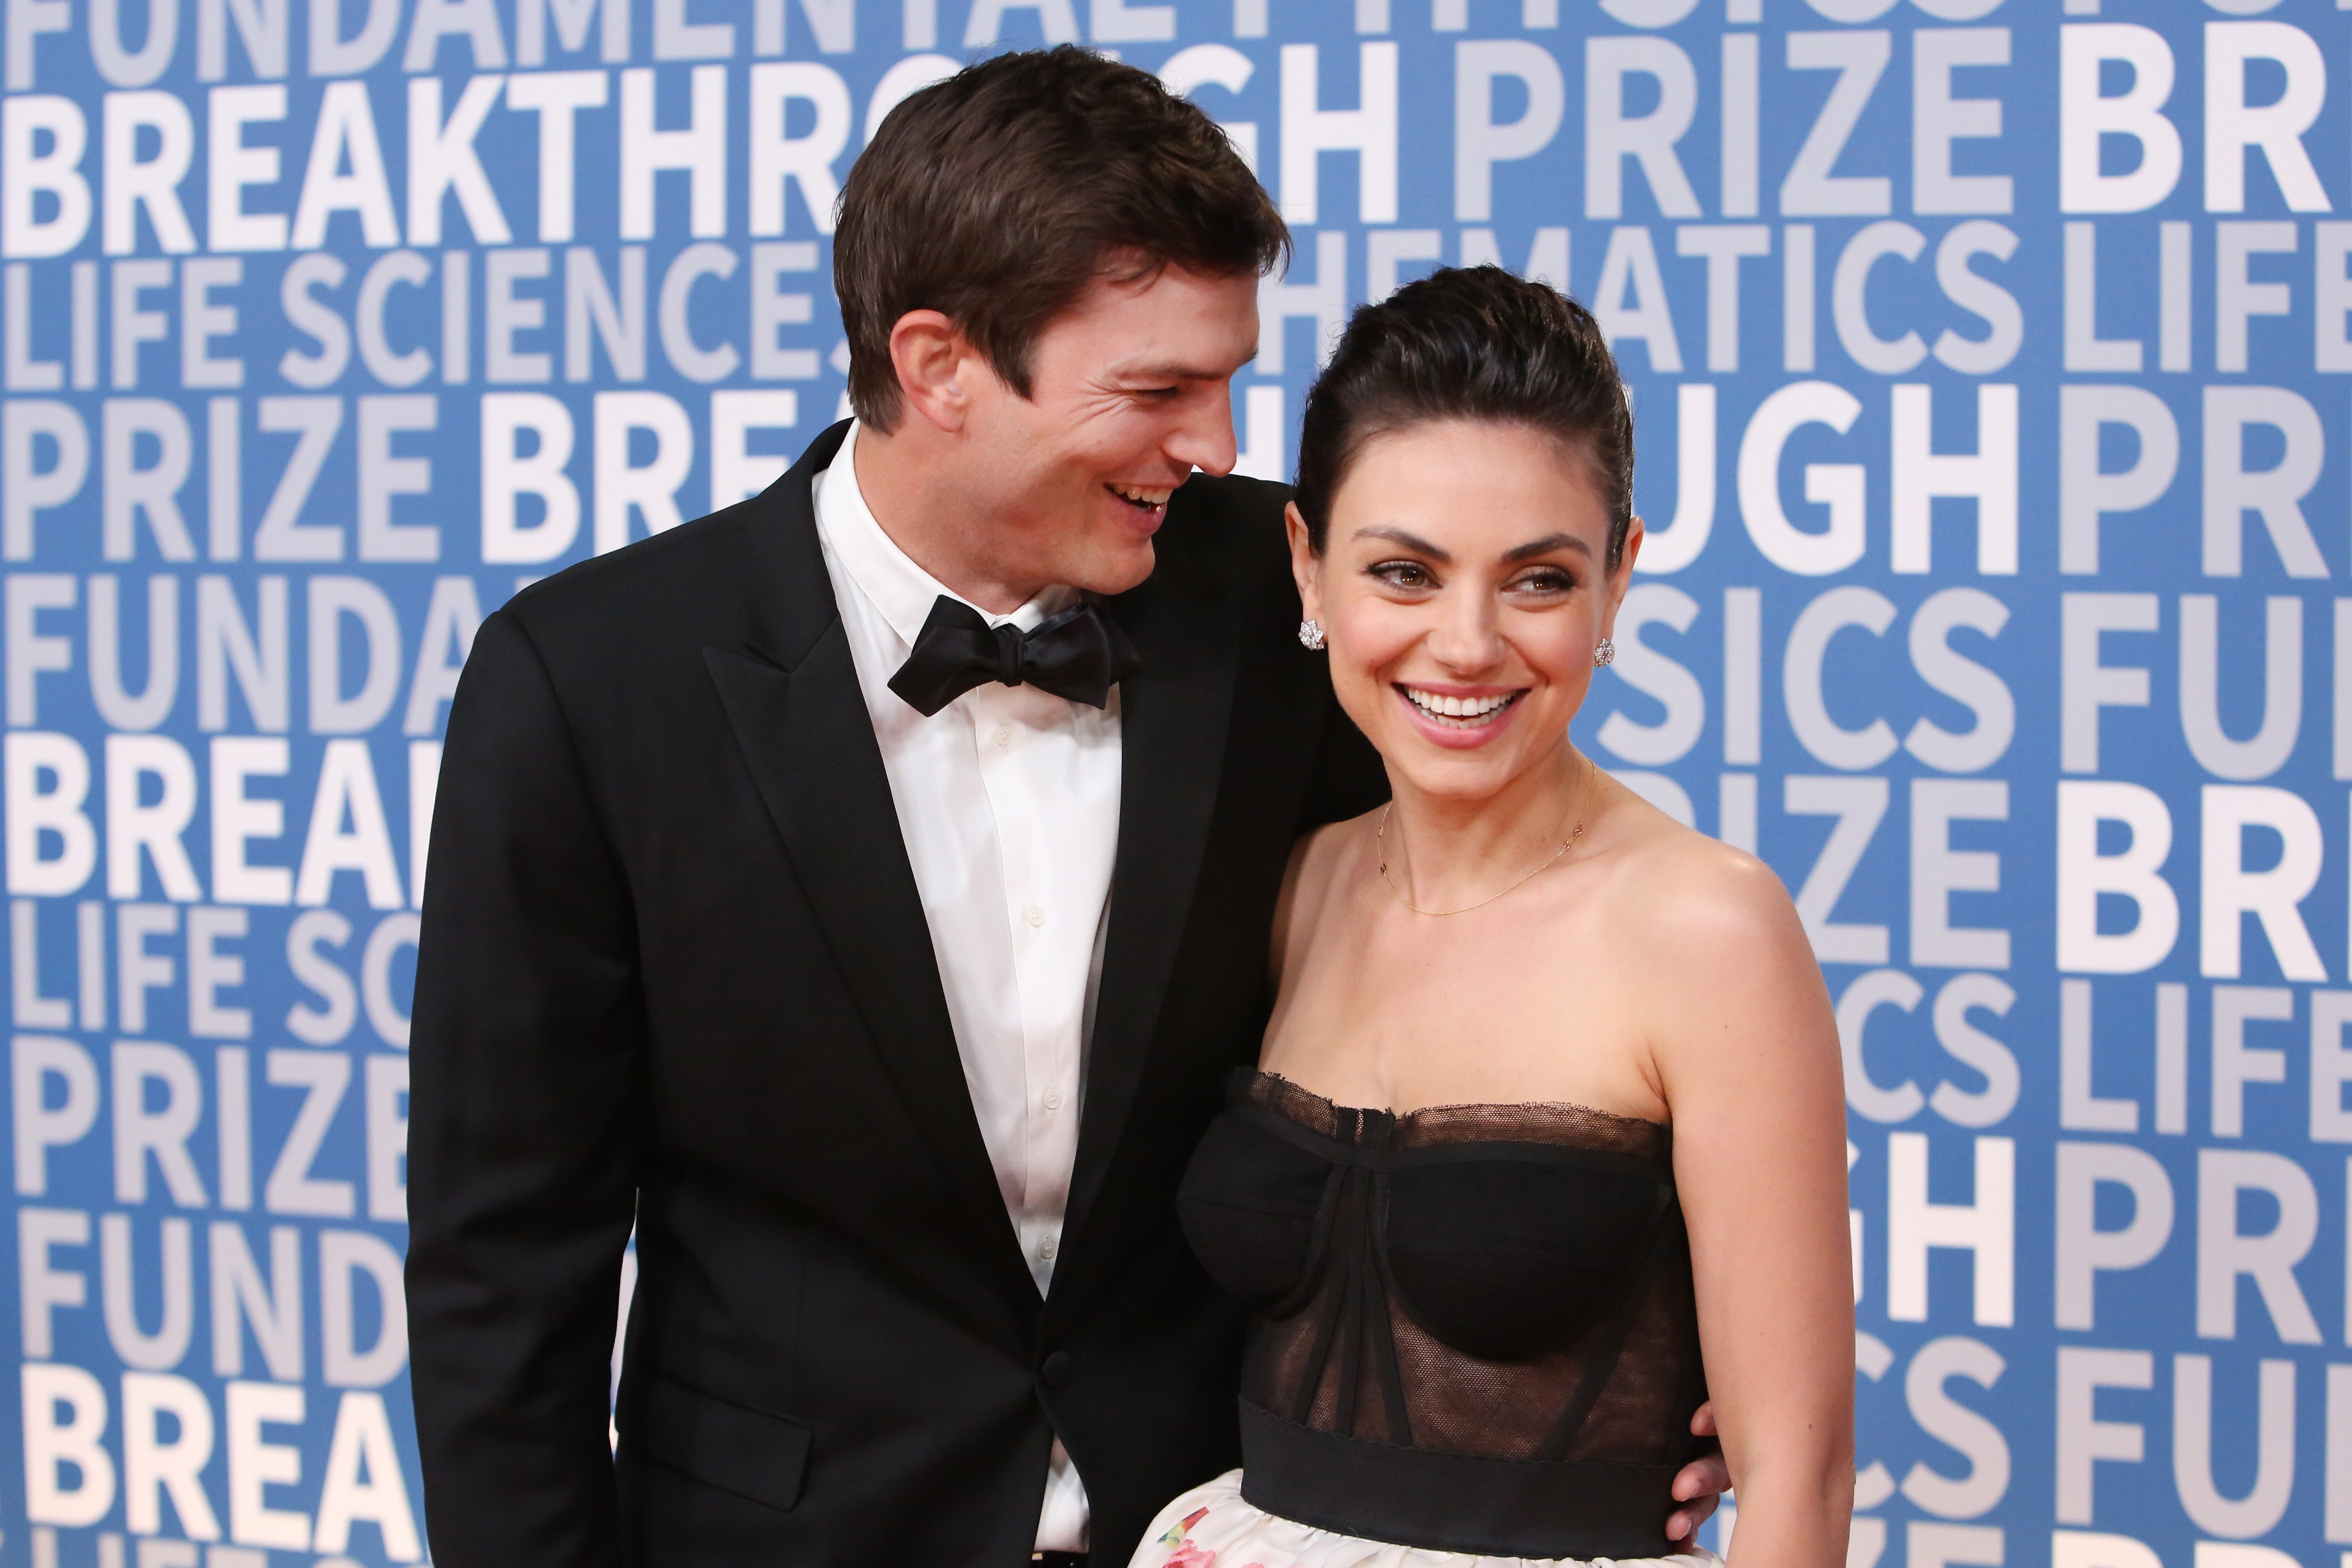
[(1604, 653), (1310, 635)]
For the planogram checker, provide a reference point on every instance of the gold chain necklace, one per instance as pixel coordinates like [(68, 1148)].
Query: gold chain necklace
[(1379, 847)]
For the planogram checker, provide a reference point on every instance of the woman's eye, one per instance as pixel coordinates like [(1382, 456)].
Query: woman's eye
[(1403, 573), (1548, 581)]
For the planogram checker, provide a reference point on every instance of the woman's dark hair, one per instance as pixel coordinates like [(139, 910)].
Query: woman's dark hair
[(1476, 343), (998, 195)]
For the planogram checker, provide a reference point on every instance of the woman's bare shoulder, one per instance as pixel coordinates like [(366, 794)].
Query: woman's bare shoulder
[(1314, 861), (1735, 1006), (1681, 893), (1735, 1018), (1317, 854)]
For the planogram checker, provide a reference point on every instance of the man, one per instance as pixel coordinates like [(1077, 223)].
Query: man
[(863, 894)]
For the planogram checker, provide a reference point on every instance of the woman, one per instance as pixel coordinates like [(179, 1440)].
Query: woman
[(1548, 1139)]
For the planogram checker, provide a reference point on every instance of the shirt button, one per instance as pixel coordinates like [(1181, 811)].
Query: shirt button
[(1053, 1099), (1005, 734), (1045, 1249), (1034, 915)]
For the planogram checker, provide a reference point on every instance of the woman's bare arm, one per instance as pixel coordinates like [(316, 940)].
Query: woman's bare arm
[(1748, 1063)]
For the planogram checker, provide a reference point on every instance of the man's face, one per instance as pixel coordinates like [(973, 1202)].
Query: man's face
[(1129, 393)]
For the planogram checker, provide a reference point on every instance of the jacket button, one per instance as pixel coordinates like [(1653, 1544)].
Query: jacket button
[(1058, 1369)]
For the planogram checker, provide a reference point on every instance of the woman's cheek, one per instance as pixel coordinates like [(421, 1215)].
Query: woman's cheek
[(1561, 648), (1376, 632)]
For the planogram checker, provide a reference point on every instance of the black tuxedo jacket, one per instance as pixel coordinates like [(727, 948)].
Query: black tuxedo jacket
[(675, 973)]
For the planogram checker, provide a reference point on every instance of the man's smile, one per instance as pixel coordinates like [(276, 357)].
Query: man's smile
[(1152, 499)]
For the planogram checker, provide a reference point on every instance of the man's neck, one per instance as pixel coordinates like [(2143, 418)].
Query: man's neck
[(931, 520)]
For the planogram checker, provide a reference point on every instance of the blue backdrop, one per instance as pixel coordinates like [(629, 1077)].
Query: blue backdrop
[(1990, 362)]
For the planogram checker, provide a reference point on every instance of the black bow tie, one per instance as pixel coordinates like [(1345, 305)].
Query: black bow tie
[(1077, 653)]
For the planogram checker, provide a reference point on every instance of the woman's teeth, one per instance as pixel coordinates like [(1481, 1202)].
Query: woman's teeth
[(1154, 498), (1461, 713)]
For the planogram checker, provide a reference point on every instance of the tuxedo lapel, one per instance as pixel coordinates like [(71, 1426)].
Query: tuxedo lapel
[(1172, 722), (809, 742)]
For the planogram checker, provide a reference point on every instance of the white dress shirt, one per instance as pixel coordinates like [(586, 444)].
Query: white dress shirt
[(1008, 801)]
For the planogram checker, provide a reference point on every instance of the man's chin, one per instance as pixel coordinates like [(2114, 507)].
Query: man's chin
[(1116, 572)]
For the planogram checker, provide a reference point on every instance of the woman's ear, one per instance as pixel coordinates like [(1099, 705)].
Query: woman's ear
[(1622, 578), (929, 354), (1306, 567)]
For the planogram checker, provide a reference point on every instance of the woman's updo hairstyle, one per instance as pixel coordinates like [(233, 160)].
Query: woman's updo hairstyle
[(1474, 344)]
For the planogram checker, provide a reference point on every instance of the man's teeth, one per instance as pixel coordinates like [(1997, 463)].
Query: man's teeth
[(1151, 500), (1473, 708)]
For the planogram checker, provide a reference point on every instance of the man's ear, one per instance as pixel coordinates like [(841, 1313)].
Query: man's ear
[(930, 356), (1306, 567)]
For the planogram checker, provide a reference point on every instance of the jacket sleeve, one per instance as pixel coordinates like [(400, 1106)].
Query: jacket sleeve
[(528, 1048)]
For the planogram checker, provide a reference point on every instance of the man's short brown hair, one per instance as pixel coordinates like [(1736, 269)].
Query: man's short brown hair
[(996, 197)]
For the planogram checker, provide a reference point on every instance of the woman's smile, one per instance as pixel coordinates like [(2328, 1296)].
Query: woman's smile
[(1458, 720)]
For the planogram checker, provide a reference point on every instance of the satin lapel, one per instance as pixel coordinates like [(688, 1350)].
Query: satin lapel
[(1172, 722), (809, 742)]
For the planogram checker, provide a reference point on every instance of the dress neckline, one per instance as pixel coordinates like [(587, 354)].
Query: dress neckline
[(1293, 1087), (1556, 1123)]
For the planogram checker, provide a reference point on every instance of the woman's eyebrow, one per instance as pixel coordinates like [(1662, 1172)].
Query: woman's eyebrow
[(1545, 545), (1413, 542)]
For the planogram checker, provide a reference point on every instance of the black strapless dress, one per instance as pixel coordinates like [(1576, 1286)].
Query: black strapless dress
[(1473, 1326)]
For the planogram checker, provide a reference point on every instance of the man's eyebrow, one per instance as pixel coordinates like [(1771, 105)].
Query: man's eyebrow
[(1545, 546), (1413, 542), (1172, 370)]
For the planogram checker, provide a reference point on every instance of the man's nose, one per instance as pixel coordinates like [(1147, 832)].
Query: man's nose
[(1205, 438)]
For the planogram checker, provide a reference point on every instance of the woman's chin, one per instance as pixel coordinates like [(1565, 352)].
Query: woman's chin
[(1450, 773)]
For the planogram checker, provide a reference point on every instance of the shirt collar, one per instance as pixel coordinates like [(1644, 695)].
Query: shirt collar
[(888, 577)]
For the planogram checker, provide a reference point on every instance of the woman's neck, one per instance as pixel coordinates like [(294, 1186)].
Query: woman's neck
[(1446, 852)]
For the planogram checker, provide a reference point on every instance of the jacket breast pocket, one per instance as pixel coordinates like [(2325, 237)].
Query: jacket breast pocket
[(752, 1453)]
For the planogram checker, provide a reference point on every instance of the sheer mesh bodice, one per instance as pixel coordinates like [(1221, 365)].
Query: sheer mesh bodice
[(1501, 1290)]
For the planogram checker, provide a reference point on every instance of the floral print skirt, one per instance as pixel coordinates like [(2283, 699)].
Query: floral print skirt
[(1211, 1527)]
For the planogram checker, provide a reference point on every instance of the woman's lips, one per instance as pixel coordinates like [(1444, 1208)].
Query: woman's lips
[(1478, 720)]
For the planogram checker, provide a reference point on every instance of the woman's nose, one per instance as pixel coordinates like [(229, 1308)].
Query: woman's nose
[(1468, 637)]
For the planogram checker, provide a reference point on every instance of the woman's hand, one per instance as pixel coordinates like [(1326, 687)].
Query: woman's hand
[(1701, 1483)]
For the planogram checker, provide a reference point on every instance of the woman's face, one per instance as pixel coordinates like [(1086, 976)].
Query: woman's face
[(1463, 586)]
